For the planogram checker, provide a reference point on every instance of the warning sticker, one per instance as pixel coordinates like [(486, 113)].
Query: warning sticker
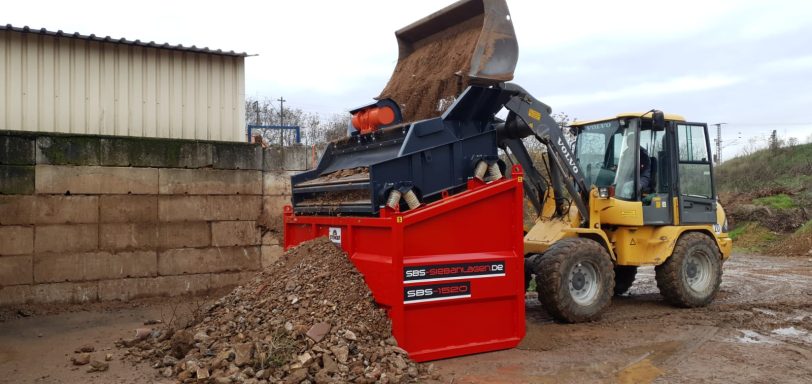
[(335, 234), (422, 273), (436, 292)]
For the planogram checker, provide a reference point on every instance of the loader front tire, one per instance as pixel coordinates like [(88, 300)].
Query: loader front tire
[(575, 280), (624, 278), (690, 277)]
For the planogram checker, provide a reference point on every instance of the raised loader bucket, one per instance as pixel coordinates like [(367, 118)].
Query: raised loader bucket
[(471, 41)]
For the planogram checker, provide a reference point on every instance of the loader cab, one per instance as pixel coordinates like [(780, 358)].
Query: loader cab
[(656, 172)]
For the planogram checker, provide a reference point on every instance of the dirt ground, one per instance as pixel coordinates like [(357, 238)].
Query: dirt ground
[(759, 330)]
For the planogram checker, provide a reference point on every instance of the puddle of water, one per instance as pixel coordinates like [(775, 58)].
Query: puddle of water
[(790, 332), (658, 353), (752, 337), (641, 372)]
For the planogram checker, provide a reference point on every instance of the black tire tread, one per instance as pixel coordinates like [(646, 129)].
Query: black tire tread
[(669, 273), (624, 278), (549, 279)]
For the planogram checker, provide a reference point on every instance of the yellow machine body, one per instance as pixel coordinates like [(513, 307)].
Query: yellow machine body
[(619, 224)]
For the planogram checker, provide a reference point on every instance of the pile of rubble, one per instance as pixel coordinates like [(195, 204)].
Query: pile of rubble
[(310, 318)]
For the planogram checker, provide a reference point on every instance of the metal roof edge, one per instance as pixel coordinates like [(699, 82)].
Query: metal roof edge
[(108, 39)]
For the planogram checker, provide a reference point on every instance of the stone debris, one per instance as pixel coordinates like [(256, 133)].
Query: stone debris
[(27, 313), (310, 318), (98, 366), (85, 348), (318, 331), (142, 333), (81, 359)]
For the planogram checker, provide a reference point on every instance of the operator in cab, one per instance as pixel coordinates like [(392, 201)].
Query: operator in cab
[(626, 165)]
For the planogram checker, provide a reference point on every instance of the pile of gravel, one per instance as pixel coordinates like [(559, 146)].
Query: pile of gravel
[(308, 319)]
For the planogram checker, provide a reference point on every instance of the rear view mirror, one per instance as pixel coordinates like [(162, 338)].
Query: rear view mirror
[(658, 120)]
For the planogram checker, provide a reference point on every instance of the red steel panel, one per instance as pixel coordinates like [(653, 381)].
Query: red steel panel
[(450, 273)]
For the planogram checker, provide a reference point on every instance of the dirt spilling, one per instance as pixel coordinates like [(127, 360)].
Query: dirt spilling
[(426, 81), (309, 318)]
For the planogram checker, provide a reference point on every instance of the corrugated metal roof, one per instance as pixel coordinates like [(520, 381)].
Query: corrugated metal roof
[(108, 39)]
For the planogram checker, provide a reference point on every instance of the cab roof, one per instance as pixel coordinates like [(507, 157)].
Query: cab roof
[(668, 116)]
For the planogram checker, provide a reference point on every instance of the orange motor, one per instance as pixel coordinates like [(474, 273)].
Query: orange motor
[(369, 119)]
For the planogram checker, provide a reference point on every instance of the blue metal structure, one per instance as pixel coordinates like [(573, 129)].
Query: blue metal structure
[(282, 128), (430, 156)]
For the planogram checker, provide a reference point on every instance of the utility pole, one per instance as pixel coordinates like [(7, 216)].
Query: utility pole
[(719, 142), (281, 101), (250, 132)]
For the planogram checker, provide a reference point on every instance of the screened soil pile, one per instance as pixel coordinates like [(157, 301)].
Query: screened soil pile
[(357, 172), (427, 81), (310, 318), (349, 174), (336, 198)]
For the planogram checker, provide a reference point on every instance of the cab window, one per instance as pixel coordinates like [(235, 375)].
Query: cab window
[(694, 161)]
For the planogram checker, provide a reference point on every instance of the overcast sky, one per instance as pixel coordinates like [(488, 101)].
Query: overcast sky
[(744, 63)]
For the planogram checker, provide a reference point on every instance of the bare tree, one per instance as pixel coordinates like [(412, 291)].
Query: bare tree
[(315, 129)]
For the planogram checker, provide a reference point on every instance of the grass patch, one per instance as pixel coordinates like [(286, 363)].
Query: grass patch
[(752, 236), (786, 167), (780, 201), (738, 231), (806, 228)]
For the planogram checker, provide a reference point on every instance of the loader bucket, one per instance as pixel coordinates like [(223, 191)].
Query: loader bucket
[(468, 42)]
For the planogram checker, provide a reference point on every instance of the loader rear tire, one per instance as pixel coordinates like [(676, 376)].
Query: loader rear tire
[(624, 278), (575, 280), (690, 277)]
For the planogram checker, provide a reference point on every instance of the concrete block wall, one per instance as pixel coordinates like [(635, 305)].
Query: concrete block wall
[(89, 218)]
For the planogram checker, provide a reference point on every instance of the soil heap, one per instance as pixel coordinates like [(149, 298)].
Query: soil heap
[(309, 318)]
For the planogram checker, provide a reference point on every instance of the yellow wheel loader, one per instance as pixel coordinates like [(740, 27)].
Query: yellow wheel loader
[(628, 191), (633, 190)]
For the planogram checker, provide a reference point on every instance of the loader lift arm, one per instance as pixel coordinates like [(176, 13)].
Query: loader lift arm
[(529, 116)]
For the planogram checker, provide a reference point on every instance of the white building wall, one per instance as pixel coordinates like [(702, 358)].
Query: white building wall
[(73, 85)]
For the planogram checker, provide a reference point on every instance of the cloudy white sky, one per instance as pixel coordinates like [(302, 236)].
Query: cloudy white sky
[(744, 63)]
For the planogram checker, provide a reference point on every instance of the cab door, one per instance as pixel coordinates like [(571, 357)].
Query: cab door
[(694, 175)]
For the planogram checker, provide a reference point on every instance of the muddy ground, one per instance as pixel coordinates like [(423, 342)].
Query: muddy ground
[(759, 330)]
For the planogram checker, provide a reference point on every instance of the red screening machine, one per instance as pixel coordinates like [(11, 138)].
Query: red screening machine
[(450, 273)]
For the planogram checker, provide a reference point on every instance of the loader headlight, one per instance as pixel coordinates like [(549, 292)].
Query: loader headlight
[(724, 226), (603, 192)]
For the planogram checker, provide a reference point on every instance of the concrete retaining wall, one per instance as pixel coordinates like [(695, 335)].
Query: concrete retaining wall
[(87, 218)]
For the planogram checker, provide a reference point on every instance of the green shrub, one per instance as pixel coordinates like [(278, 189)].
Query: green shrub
[(738, 231), (780, 201), (806, 228)]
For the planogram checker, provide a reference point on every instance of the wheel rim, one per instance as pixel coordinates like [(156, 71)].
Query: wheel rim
[(583, 283), (697, 271)]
